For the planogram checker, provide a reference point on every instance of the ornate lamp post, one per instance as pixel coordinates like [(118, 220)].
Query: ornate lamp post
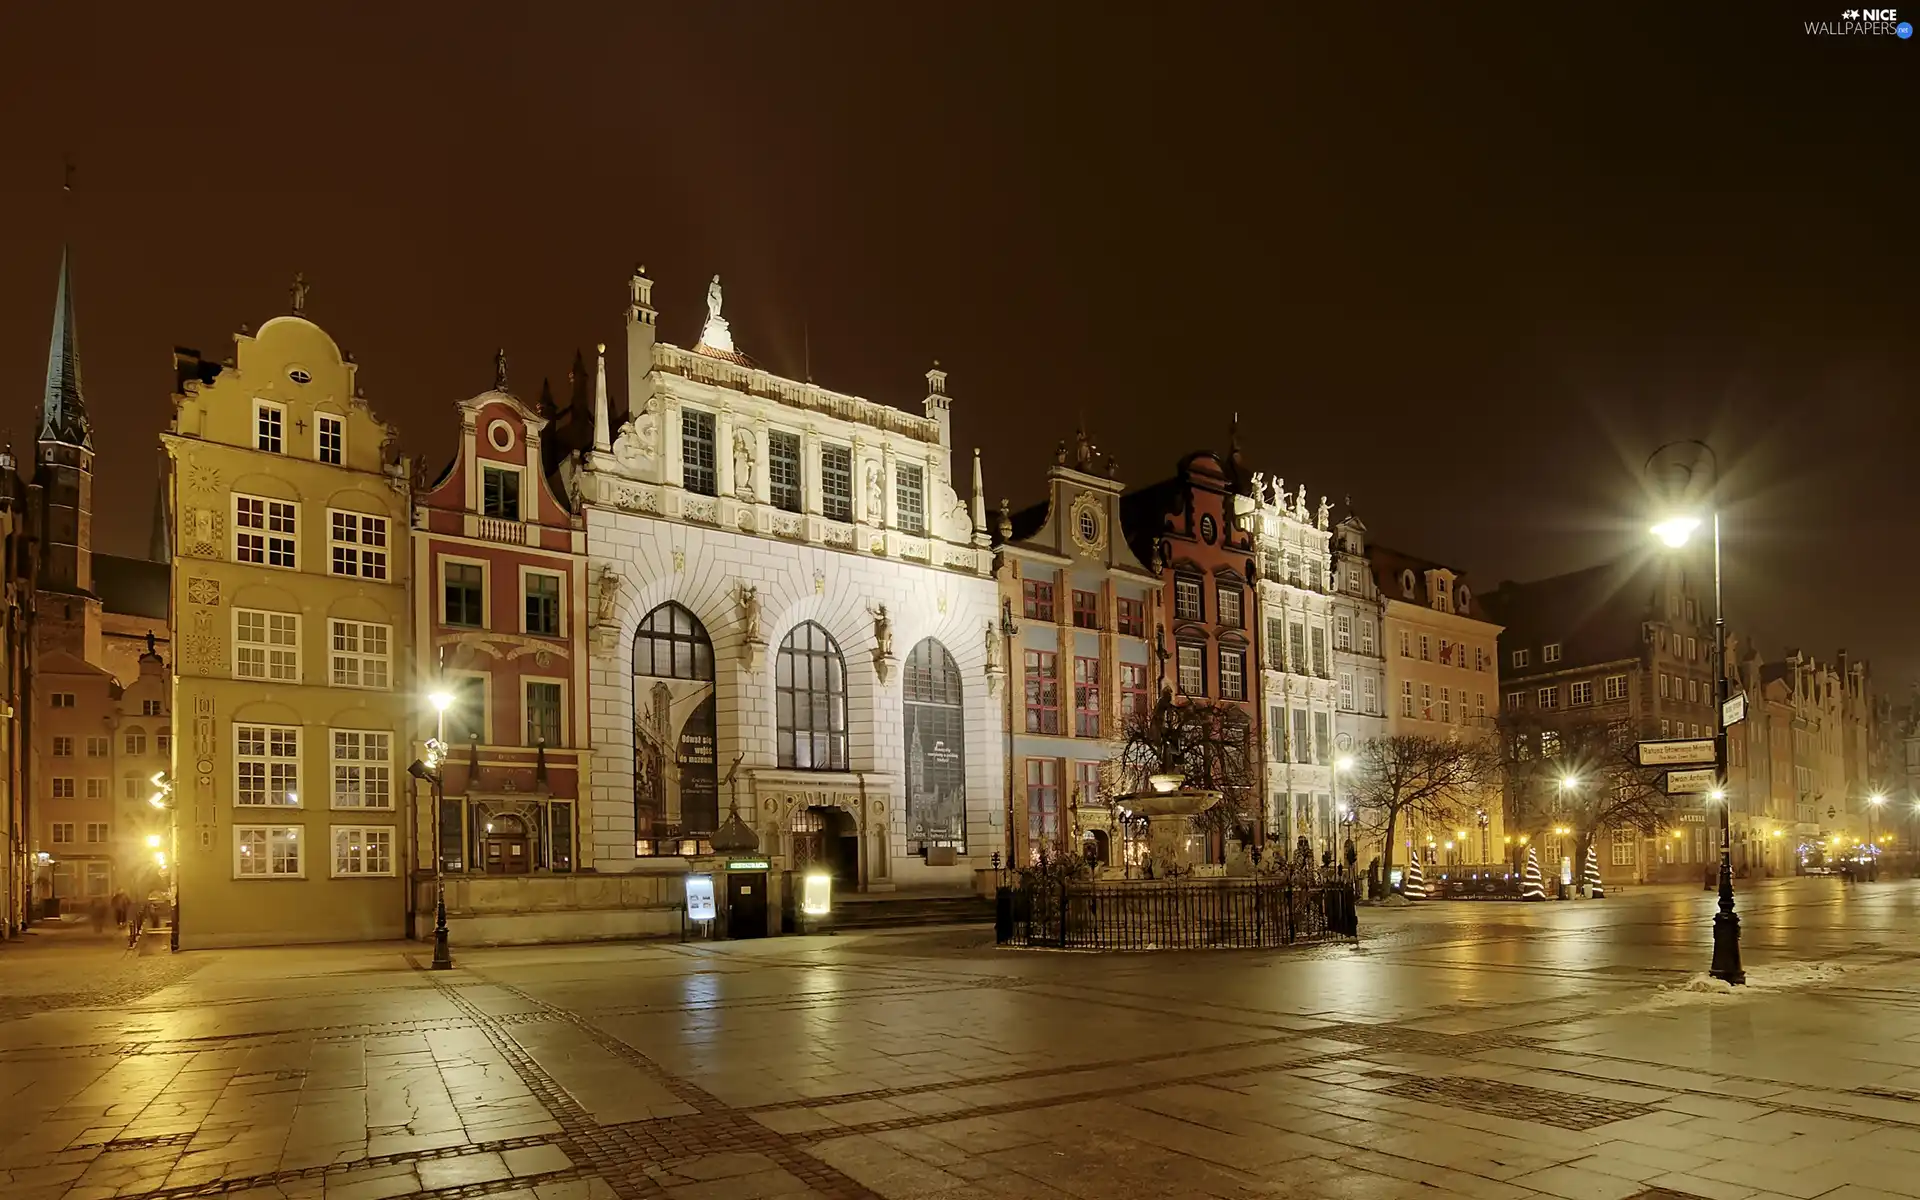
[(162, 799), (433, 769), (1676, 531), (1873, 848)]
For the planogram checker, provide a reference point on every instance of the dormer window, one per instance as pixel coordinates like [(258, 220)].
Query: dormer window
[(269, 421), (1550, 653), (1522, 658), (1406, 584)]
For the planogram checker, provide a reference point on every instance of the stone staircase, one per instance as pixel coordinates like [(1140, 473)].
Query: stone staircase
[(900, 910)]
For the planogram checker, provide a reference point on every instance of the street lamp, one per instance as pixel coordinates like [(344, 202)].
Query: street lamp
[(1873, 862), (1675, 530), (433, 770), (1341, 766)]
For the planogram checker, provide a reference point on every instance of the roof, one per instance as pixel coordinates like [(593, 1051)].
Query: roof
[(134, 587), (1595, 614), (63, 413), (1387, 563)]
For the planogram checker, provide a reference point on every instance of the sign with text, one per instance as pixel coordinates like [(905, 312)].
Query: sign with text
[(700, 898), (1734, 710), (1676, 753), (1690, 783)]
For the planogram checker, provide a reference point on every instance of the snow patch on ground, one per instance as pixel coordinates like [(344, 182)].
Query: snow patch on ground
[(1784, 977)]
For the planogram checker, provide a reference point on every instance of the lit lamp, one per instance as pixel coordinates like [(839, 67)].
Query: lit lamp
[(432, 770), (1873, 804), (816, 894), (1675, 530)]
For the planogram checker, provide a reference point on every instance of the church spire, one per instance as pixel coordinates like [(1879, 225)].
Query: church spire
[(63, 414)]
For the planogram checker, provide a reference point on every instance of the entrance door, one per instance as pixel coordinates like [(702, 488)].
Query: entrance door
[(746, 904), (505, 846)]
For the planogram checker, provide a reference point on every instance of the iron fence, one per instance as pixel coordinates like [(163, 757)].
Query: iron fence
[(1188, 914)]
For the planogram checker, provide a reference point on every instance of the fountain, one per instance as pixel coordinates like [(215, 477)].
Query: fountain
[(1172, 841)]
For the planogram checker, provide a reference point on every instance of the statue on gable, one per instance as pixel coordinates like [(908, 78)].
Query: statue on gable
[(1300, 505), (1260, 487), (715, 336), (1320, 517)]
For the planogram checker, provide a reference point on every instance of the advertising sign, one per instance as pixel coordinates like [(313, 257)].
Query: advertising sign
[(700, 898)]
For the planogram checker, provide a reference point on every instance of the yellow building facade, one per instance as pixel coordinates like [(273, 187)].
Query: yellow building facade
[(293, 701)]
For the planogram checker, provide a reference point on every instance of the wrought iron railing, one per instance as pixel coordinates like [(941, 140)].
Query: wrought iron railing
[(1170, 915)]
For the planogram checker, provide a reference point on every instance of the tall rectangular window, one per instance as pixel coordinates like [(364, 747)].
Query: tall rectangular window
[(1322, 738), (266, 645), (500, 493), (1276, 733), (560, 840), (333, 438), (543, 604), (267, 851), (910, 497), (136, 742), (1086, 697), (1187, 605), (783, 470), (1086, 783), (362, 850), (1406, 643), (1343, 631), (1191, 674), (1135, 697), (1320, 651), (1426, 648), (1366, 636), (362, 769), (1369, 698), (1516, 701), (62, 830), (1406, 697), (269, 421), (357, 545), (1446, 706), (96, 747), (1233, 674), (1132, 617), (359, 654), (1346, 691), (1043, 805), (265, 531), (1227, 601), (836, 483), (466, 595), (1276, 644), (1086, 609), (1036, 600), (1043, 691), (1426, 702), (266, 765), (543, 714), (1302, 738), (1521, 657), (1297, 648), (696, 452), (467, 715)]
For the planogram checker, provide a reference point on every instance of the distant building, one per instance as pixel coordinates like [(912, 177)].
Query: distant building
[(1441, 682), (1359, 658), (1079, 610), (294, 675), (18, 571)]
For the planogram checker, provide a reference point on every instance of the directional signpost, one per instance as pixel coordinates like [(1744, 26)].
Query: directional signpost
[(1693, 782), (1676, 752), (1734, 710)]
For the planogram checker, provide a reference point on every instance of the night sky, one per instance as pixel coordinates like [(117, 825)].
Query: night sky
[(1469, 272)]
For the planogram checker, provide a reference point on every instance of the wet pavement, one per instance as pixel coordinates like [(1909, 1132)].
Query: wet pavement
[(1491, 1050)]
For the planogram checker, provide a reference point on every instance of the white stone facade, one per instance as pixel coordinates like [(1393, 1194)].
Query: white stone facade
[(1298, 695), (879, 581)]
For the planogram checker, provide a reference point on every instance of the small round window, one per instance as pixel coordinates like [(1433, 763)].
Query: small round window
[(1208, 529), (1406, 584), (1089, 527), (300, 375), (500, 435)]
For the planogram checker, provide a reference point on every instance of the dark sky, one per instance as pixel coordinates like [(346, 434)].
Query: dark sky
[(1468, 268)]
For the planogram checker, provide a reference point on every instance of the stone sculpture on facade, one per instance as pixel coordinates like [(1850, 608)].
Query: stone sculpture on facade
[(747, 597), (743, 464), (876, 496), (882, 642), (715, 335)]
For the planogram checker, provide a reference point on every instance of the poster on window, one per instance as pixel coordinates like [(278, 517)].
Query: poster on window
[(699, 781)]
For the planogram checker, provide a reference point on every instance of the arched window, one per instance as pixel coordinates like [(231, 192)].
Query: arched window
[(671, 643), (810, 694), (935, 723)]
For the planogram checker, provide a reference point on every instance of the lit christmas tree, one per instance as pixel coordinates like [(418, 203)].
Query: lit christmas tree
[(1530, 888), (1414, 884), (1594, 887)]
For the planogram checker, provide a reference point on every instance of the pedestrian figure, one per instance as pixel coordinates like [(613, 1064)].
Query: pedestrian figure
[(122, 904)]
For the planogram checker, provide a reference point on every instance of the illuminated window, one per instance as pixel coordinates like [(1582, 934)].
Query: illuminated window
[(266, 765), (362, 768), (1042, 691), (810, 700), (267, 851), (266, 645), (1036, 600), (359, 654), (362, 850), (357, 545)]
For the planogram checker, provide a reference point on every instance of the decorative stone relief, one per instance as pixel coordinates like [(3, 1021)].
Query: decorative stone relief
[(203, 591), (702, 508), (205, 533), (203, 479), (205, 654)]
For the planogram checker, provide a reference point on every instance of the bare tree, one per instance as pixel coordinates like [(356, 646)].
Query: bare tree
[(1585, 774), (1208, 742), (1416, 775)]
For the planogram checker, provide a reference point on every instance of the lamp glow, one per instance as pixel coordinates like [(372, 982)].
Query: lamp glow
[(1876, 799), (1675, 531), (1343, 763), (441, 701), (153, 841)]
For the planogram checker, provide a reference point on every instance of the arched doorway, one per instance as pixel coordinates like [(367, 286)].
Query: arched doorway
[(676, 789), (936, 767), (505, 847), (827, 839)]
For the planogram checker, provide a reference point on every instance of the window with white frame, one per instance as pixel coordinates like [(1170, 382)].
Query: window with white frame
[(96, 830), (542, 603), (1446, 706), (1616, 687), (1550, 653), (1623, 847), (63, 787), (266, 645), (362, 768), (266, 765), (265, 531), (1426, 702), (269, 424), (1426, 648), (63, 747), (1343, 631), (1580, 693), (1233, 677), (136, 740), (1549, 697), (1366, 636), (332, 438), (63, 833), (151, 708), (362, 850), (1406, 697), (1480, 704), (1369, 698), (1516, 701), (910, 498), (1226, 598), (543, 713), (62, 699), (267, 852), (836, 482), (358, 654), (1346, 691), (500, 493), (357, 545), (1406, 644), (1521, 658), (97, 788), (697, 472), (97, 747), (1190, 661)]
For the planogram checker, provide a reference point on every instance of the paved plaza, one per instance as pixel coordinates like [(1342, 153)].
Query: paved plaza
[(1486, 1050)]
